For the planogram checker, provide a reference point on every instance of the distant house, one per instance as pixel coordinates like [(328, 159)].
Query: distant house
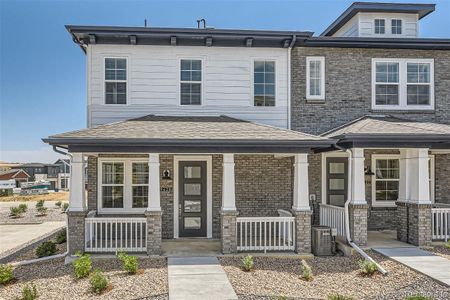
[(57, 174), (5, 166), (18, 175)]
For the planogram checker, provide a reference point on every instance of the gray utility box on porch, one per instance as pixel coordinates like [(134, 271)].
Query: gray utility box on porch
[(322, 241)]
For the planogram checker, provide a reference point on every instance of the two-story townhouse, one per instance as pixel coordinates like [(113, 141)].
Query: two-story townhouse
[(208, 133)]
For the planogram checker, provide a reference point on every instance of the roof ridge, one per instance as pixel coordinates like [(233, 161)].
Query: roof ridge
[(343, 125)]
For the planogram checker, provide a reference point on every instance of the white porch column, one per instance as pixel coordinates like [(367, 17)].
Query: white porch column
[(228, 183), (357, 188), (154, 201), (77, 198), (419, 176), (403, 186), (301, 184)]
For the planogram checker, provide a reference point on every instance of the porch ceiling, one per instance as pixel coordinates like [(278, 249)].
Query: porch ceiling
[(180, 134), (388, 131)]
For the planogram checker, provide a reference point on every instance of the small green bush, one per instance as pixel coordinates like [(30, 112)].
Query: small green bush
[(40, 203), (6, 273), (61, 237), (447, 245), (58, 204), (98, 281), (338, 297), (418, 297), (23, 207), (64, 207), (46, 249), (29, 292), (15, 211), (129, 262), (367, 267), (247, 263), (82, 266), (306, 271)]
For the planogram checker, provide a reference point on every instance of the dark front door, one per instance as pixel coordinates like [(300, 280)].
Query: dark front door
[(192, 199), (337, 180)]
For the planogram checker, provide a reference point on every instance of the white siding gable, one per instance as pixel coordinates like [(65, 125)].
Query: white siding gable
[(153, 82)]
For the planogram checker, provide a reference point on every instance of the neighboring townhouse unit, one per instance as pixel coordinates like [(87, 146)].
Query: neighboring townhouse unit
[(251, 137), (58, 174)]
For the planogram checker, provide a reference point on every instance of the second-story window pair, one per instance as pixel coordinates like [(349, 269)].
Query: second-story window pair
[(380, 26)]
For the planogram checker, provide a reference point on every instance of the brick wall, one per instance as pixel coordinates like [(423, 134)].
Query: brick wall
[(166, 163), (442, 178), (92, 164)]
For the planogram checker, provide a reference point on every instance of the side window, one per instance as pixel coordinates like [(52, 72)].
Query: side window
[(191, 82), (387, 83), (396, 26), (379, 26), (418, 84), (315, 78), (264, 83), (115, 81)]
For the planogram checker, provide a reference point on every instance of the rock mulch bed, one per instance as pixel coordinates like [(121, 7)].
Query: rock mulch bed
[(274, 277), (31, 216), (54, 280), (440, 250), (31, 253)]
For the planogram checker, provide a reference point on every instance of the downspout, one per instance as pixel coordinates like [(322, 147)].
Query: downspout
[(346, 213), (291, 45)]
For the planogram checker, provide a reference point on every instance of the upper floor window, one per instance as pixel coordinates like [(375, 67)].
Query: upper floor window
[(191, 82), (402, 84), (115, 81), (380, 26), (315, 78), (396, 26), (264, 83)]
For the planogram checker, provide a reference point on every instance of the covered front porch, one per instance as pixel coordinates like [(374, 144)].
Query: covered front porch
[(243, 184)]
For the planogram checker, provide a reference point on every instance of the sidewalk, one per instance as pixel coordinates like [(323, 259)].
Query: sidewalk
[(198, 278)]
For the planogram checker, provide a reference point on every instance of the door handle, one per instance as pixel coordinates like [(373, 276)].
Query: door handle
[(179, 208)]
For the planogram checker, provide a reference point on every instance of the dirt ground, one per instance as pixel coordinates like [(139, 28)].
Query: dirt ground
[(57, 196)]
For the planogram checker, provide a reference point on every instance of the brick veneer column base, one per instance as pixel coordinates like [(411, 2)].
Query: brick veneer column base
[(228, 227), (402, 221), (76, 229), (358, 223), (154, 232), (302, 231), (419, 224)]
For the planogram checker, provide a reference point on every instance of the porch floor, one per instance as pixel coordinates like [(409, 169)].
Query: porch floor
[(190, 247), (385, 239)]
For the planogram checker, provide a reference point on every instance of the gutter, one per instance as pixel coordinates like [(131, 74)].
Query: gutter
[(291, 45), (346, 213)]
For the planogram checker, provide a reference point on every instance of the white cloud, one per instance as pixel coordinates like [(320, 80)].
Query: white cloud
[(42, 155)]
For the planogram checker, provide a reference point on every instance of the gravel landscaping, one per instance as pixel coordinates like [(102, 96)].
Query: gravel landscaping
[(31, 216), (274, 277), (57, 196), (54, 280), (440, 250)]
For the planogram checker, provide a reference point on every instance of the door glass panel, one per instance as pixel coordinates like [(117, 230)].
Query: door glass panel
[(192, 172), (337, 184), (337, 200), (192, 222), (192, 189), (337, 168), (192, 206)]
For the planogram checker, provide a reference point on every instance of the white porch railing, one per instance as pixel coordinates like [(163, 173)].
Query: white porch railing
[(334, 217), (265, 233), (114, 234), (440, 218)]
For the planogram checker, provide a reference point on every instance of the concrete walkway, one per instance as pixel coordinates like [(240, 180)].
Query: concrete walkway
[(198, 278), (422, 261), (15, 235)]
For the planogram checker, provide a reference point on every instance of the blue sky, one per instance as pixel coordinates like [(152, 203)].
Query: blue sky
[(42, 72)]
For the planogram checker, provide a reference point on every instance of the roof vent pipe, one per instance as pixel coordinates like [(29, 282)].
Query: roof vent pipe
[(201, 21)]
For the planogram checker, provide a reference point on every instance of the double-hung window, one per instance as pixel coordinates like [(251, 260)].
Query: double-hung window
[(264, 83), (139, 184), (112, 184), (315, 78), (191, 82), (396, 26), (115, 81), (402, 84), (379, 26)]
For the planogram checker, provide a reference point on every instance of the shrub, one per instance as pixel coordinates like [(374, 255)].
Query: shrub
[(418, 297), (129, 262), (15, 211), (6, 273), (82, 266), (23, 207), (367, 267), (46, 249), (29, 292), (40, 203), (98, 281), (64, 207), (338, 297), (61, 237), (447, 245), (58, 204), (306, 271), (247, 263)]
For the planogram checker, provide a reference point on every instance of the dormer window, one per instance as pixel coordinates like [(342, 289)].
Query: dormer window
[(380, 26), (396, 26)]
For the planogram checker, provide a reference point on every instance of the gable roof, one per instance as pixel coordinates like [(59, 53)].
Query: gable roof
[(13, 173), (421, 9), (183, 133)]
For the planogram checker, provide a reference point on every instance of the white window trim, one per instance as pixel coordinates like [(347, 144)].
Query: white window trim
[(401, 27), (309, 59), (252, 81), (202, 98), (374, 26), (397, 156), (127, 186), (402, 84), (126, 81)]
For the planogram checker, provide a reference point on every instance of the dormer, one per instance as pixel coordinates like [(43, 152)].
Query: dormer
[(383, 20)]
